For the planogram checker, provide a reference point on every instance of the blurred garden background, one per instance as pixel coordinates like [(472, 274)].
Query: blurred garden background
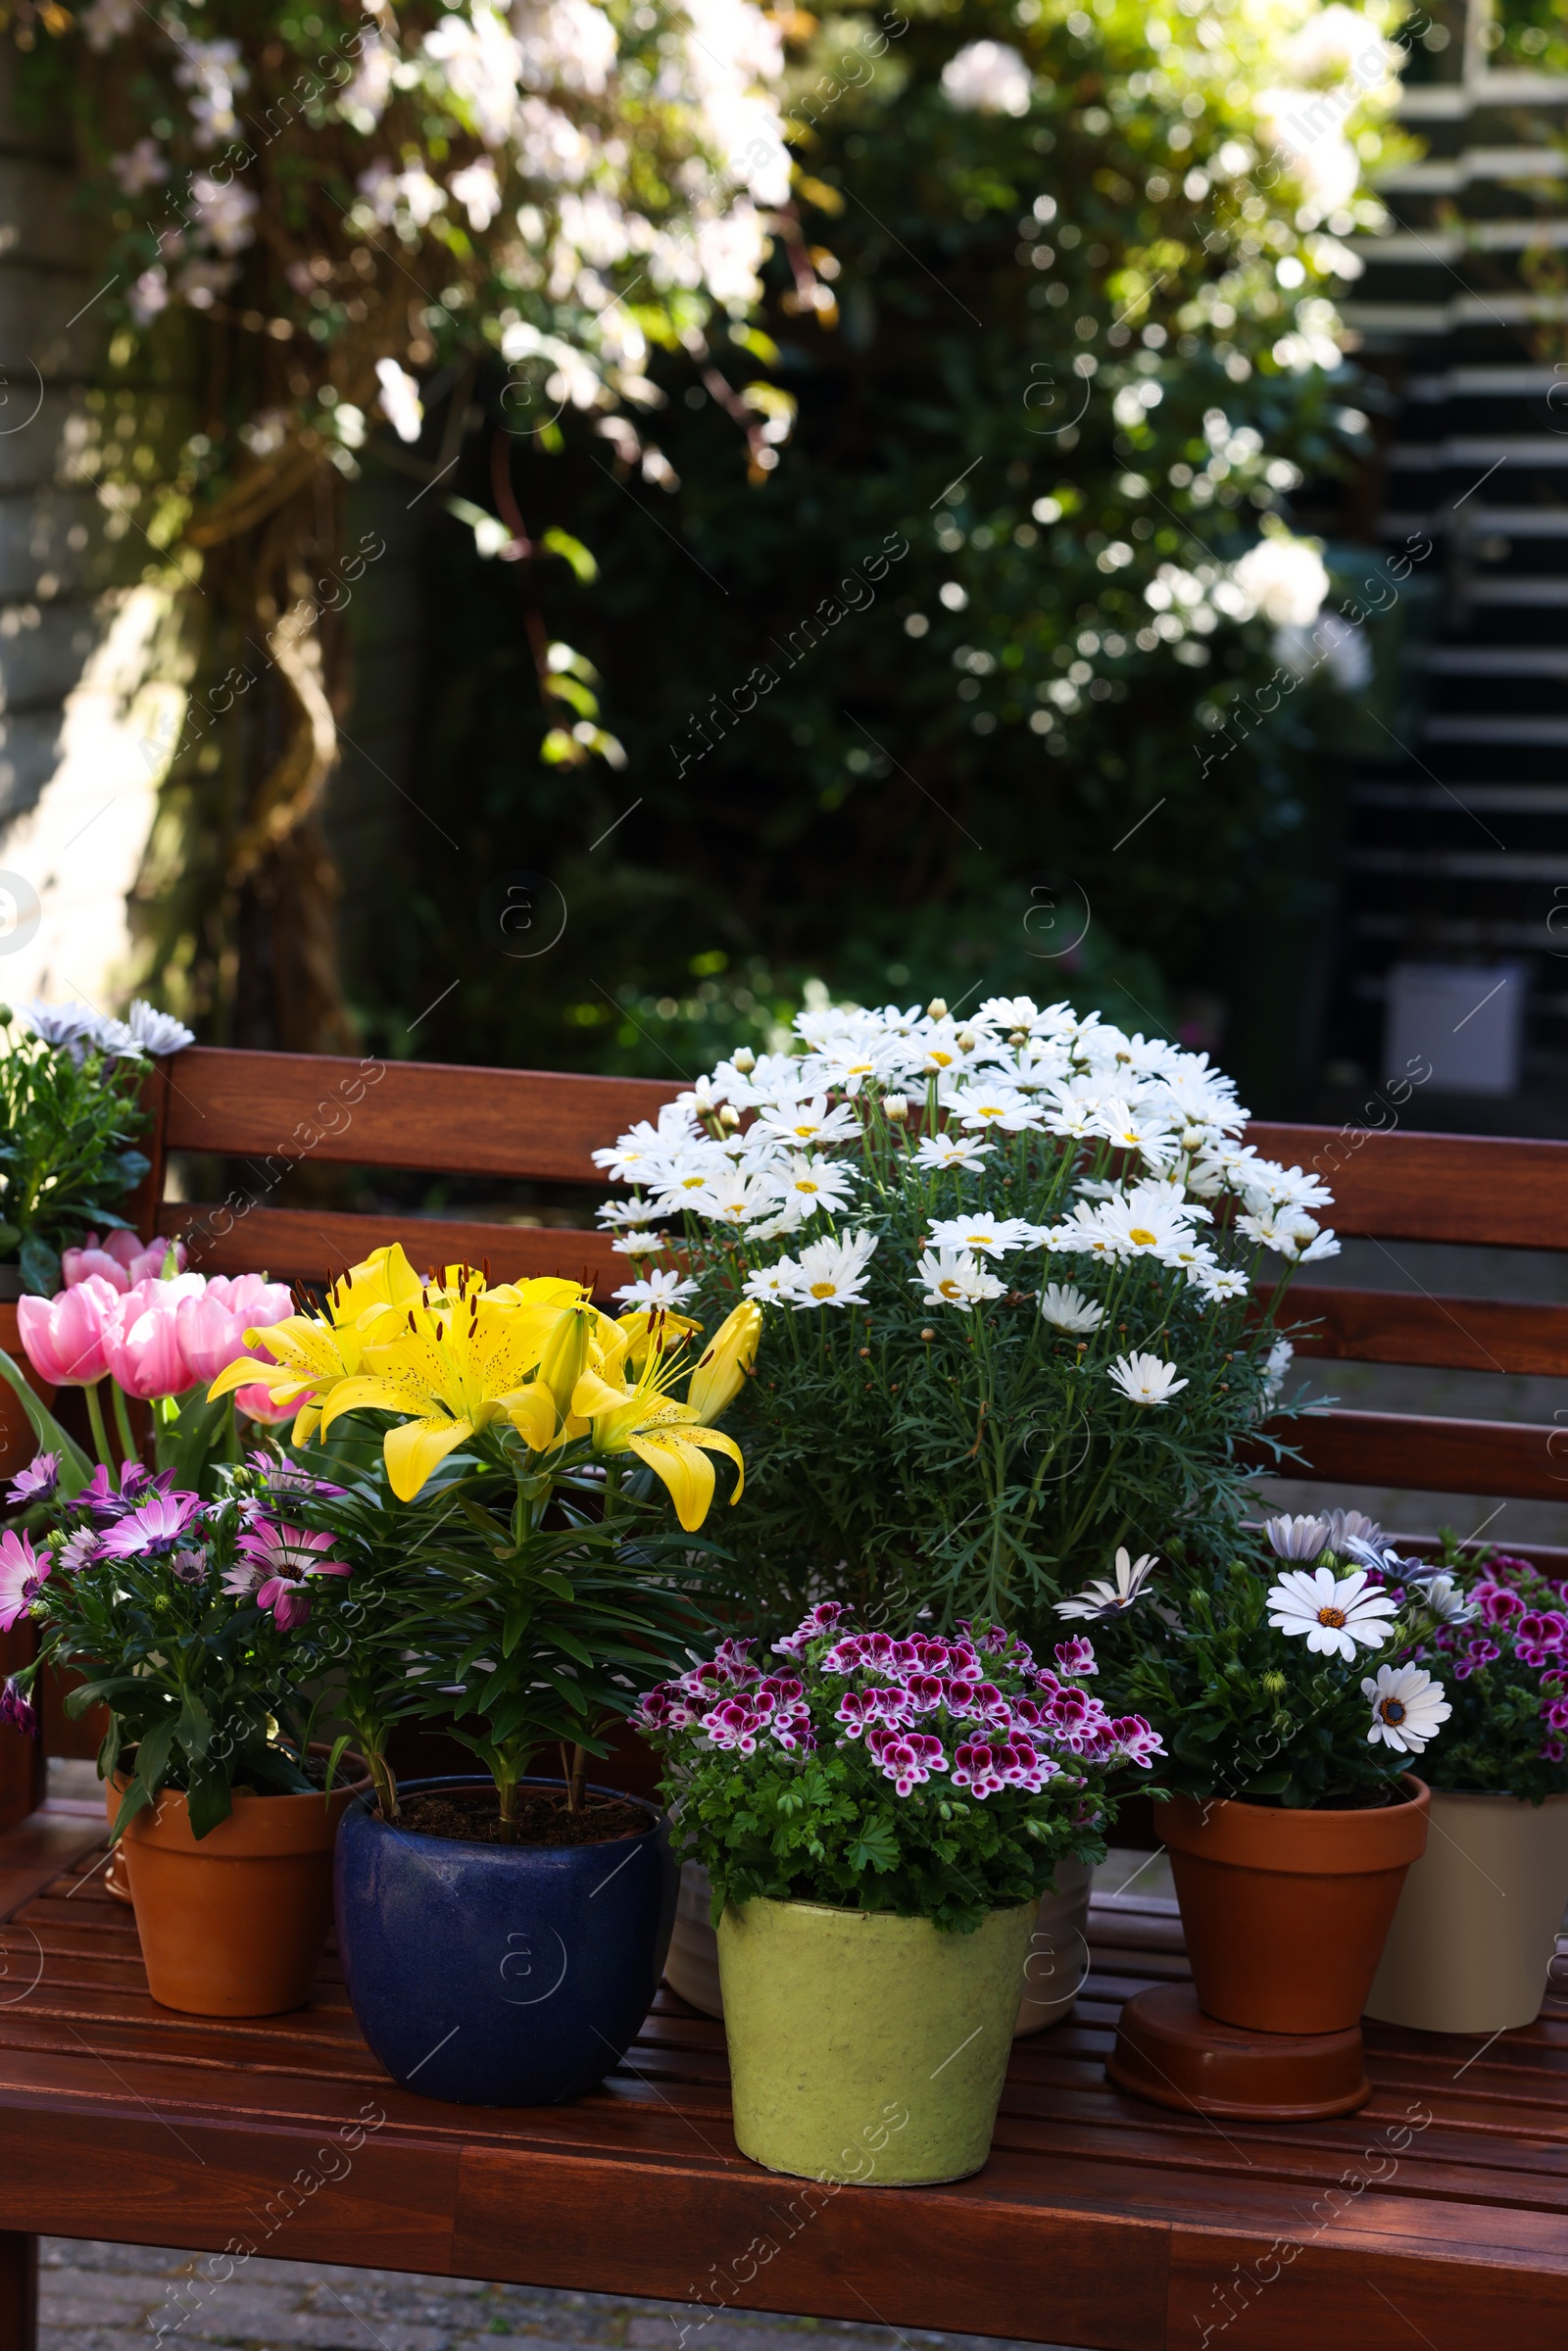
[(555, 539)]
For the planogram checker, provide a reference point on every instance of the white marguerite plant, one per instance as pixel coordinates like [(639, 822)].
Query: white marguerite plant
[(1010, 1257)]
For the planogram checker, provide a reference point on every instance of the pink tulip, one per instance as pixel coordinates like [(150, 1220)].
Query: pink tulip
[(122, 1260), (142, 1348), (213, 1327), (256, 1403), (67, 1337)]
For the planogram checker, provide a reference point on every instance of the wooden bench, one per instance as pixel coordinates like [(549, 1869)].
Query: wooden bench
[(1439, 2213)]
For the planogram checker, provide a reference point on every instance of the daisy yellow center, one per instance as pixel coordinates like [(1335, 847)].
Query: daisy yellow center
[(949, 1288), (941, 1060), (692, 1183), (1141, 1235), (1333, 1617), (824, 1288), (807, 1184), (990, 1109), (807, 1130), (1393, 1712)]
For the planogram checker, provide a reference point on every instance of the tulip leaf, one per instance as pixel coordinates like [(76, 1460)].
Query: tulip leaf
[(75, 1467)]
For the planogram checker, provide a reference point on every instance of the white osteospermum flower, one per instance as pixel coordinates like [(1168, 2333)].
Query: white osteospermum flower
[(1409, 1708), (833, 1273), (981, 1104), (938, 1152), (1298, 1537), (1349, 1527), (1446, 1600), (661, 1288), (1145, 1380), (801, 1123), (987, 78), (816, 1183), (1067, 1308), (954, 1278), (775, 1284), (1099, 1600), (990, 1236), (1331, 1612), (157, 1032)]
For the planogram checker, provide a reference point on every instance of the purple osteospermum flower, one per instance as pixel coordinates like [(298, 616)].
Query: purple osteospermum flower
[(80, 1550), (17, 1709), (153, 1525), (190, 1567), (286, 1557), (21, 1572), (36, 1483)]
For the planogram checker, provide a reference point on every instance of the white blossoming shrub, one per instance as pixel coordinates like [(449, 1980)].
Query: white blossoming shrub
[(1010, 1265)]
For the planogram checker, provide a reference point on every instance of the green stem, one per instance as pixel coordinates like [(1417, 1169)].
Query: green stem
[(130, 1449), (100, 1434)]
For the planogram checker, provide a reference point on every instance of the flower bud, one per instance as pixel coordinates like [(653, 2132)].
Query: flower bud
[(937, 1009), (744, 1060), (729, 1118), (964, 1041), (896, 1108)]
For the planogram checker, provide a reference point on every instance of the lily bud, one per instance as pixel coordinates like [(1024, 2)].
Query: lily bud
[(721, 1373), (937, 1009), (896, 1108), (744, 1060), (566, 1354)]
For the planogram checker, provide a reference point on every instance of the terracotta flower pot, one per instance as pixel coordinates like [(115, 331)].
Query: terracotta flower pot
[(1287, 1912), (232, 1923), (1474, 1935)]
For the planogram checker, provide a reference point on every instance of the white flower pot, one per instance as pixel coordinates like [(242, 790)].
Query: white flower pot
[(1476, 1931), (1057, 1965)]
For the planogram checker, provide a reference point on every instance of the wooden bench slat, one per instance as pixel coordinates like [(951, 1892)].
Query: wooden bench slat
[(1461, 1334), (1497, 1192), (275, 1107), (313, 1245), (1428, 1454)]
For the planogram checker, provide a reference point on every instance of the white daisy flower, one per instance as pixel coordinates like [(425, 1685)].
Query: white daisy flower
[(1140, 1131), (1099, 1600), (640, 1244), (661, 1288), (801, 1123), (1145, 1378), (1011, 1013), (942, 1152), (1408, 1708), (980, 1105), (1224, 1282), (1298, 1537), (1267, 1185), (1291, 1232), (681, 1175), (775, 1284), (623, 1215), (734, 1199), (990, 1236), (1068, 1310), (1331, 1612), (1281, 1355), (954, 1278), (833, 1273), (818, 1183)]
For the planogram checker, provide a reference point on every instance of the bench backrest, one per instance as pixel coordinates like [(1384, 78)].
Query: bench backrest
[(265, 1113)]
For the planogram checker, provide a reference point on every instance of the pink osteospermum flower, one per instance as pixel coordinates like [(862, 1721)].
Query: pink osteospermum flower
[(22, 1573), (152, 1526), (284, 1558)]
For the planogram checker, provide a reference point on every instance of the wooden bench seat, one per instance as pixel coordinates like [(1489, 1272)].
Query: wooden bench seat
[(1439, 2213)]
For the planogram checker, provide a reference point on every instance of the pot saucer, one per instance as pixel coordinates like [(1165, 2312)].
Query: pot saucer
[(1168, 2051)]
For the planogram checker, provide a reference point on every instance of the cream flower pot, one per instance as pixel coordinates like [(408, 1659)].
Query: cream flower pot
[(1054, 1969), (1476, 1929)]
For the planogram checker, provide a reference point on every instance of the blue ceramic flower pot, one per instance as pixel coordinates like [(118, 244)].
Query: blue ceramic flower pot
[(501, 1975)]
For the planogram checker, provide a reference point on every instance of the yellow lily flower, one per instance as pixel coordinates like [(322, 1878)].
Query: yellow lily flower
[(729, 1356), (668, 1435), (308, 1360), (647, 1326), (461, 1364)]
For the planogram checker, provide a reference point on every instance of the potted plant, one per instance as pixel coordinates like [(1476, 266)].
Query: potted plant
[(191, 1620), (880, 1818), (497, 1459), (1292, 1815), (1475, 1935)]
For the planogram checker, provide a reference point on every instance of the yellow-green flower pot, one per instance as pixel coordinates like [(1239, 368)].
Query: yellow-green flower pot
[(864, 2046)]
